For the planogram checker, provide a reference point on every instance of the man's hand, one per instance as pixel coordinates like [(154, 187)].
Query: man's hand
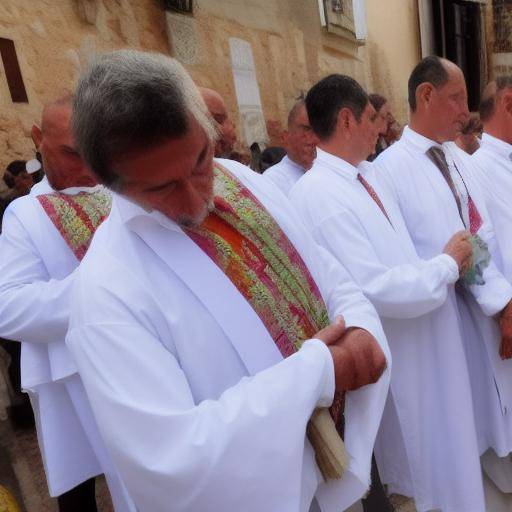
[(358, 358), (506, 332), (459, 248), (333, 333)]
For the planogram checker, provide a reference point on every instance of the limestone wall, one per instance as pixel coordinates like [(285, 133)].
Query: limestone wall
[(291, 50)]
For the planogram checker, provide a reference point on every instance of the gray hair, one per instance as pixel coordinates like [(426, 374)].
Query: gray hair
[(129, 100), (487, 106)]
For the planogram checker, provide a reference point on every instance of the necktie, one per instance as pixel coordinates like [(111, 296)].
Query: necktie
[(373, 195), (436, 154)]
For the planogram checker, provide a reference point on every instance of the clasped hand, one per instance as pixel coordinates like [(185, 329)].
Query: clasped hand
[(358, 358)]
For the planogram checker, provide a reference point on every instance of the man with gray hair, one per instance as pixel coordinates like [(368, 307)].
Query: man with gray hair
[(199, 325), (300, 144)]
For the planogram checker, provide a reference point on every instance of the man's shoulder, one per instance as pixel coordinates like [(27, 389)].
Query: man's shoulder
[(25, 209)]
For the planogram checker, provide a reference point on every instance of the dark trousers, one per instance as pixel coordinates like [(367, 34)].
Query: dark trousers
[(377, 500), (80, 499)]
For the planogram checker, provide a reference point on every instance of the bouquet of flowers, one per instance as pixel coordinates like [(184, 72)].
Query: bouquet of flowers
[(474, 275)]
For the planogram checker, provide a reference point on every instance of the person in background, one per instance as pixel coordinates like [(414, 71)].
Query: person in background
[(43, 240), (386, 124), (469, 138), (300, 143), (226, 129)]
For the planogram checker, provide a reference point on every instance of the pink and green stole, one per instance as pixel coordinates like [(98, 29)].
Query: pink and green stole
[(77, 217), (247, 244)]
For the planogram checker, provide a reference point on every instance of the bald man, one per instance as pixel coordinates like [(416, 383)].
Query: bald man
[(225, 127), (300, 142), (44, 238)]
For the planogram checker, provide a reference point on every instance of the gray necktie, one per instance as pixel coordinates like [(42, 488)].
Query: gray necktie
[(436, 154)]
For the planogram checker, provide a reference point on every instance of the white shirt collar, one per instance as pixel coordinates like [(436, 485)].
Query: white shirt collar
[(73, 191), (129, 211), (288, 161), (336, 163), (420, 142), (499, 146)]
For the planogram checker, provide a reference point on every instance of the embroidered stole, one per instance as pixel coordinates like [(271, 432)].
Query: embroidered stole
[(77, 217), (247, 244)]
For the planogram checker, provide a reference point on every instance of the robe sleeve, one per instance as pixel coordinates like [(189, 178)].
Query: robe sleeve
[(496, 293), (33, 307), (402, 291), (242, 451)]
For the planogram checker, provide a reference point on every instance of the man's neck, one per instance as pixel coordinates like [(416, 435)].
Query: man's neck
[(337, 149), (424, 130), (499, 132)]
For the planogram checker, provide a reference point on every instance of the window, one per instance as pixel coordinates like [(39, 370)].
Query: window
[(12, 71), (346, 18), (181, 6)]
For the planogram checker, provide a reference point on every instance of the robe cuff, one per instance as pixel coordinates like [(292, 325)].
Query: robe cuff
[(318, 349), (449, 265)]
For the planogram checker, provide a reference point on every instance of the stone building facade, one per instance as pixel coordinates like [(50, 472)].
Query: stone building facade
[(259, 54)]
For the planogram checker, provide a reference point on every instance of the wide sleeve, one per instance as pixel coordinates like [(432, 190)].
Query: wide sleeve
[(496, 293), (401, 291), (242, 451), (33, 307)]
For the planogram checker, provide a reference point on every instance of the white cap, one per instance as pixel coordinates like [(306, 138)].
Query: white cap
[(33, 166)]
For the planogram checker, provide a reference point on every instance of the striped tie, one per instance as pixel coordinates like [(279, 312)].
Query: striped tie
[(373, 195)]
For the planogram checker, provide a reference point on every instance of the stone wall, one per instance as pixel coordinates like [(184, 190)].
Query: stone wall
[(291, 50)]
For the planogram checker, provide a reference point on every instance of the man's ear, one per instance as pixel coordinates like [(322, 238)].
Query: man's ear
[(344, 118), (37, 136), (424, 93)]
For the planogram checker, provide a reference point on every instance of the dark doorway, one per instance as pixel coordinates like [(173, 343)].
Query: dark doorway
[(458, 37)]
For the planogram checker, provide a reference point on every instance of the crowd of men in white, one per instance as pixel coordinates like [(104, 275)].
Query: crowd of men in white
[(146, 360)]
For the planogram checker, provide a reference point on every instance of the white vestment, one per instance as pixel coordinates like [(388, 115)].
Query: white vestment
[(494, 173), (421, 451), (191, 394), (432, 217), (43, 187), (495, 176), (285, 174), (36, 273)]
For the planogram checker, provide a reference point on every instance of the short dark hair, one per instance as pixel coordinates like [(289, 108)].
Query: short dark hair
[(17, 167), (129, 100), (488, 101), (430, 70), (271, 156), (377, 101), (326, 98)]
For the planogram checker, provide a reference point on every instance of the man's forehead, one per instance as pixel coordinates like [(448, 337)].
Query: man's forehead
[(301, 117), (56, 117)]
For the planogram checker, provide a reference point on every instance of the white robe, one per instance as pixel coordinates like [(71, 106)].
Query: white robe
[(431, 215), (194, 401), (495, 177), (285, 174), (36, 273), (421, 451)]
